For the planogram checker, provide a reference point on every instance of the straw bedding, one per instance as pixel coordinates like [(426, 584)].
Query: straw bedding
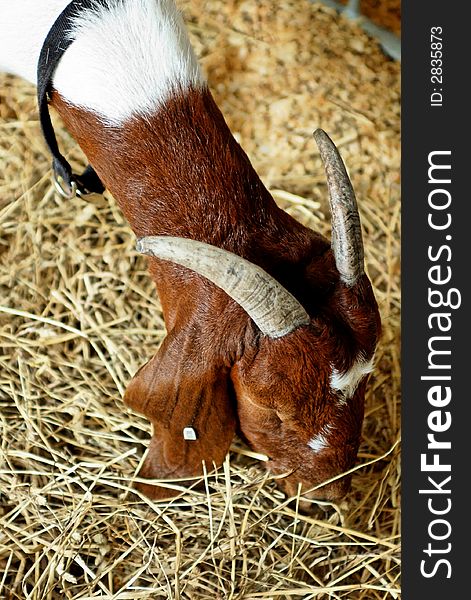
[(79, 315)]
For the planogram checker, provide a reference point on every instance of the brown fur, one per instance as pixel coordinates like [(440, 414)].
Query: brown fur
[(181, 173)]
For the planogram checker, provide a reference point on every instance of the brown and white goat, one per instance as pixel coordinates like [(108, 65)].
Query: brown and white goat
[(271, 329)]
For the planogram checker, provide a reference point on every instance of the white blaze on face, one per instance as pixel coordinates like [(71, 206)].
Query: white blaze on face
[(320, 440), (345, 384), (127, 58)]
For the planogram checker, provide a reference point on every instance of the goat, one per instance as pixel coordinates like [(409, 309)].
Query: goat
[(271, 330)]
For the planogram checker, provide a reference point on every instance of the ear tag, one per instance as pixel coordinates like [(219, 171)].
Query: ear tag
[(189, 433)]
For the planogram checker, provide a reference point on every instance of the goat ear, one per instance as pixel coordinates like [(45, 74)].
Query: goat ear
[(180, 388)]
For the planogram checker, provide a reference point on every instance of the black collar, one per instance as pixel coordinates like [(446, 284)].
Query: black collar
[(56, 43)]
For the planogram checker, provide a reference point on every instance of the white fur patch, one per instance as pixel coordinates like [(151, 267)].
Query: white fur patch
[(24, 25), (127, 59), (345, 384), (319, 441)]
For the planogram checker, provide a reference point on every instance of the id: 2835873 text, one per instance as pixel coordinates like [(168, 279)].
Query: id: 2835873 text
[(436, 66)]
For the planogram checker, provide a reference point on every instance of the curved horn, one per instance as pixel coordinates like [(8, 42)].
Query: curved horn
[(273, 309), (347, 243)]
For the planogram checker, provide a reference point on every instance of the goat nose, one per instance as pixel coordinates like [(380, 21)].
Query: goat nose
[(330, 492)]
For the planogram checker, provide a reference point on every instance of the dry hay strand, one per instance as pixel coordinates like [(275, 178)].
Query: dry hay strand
[(79, 315)]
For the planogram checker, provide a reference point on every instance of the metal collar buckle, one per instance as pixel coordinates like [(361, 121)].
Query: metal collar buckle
[(63, 189), (66, 191)]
